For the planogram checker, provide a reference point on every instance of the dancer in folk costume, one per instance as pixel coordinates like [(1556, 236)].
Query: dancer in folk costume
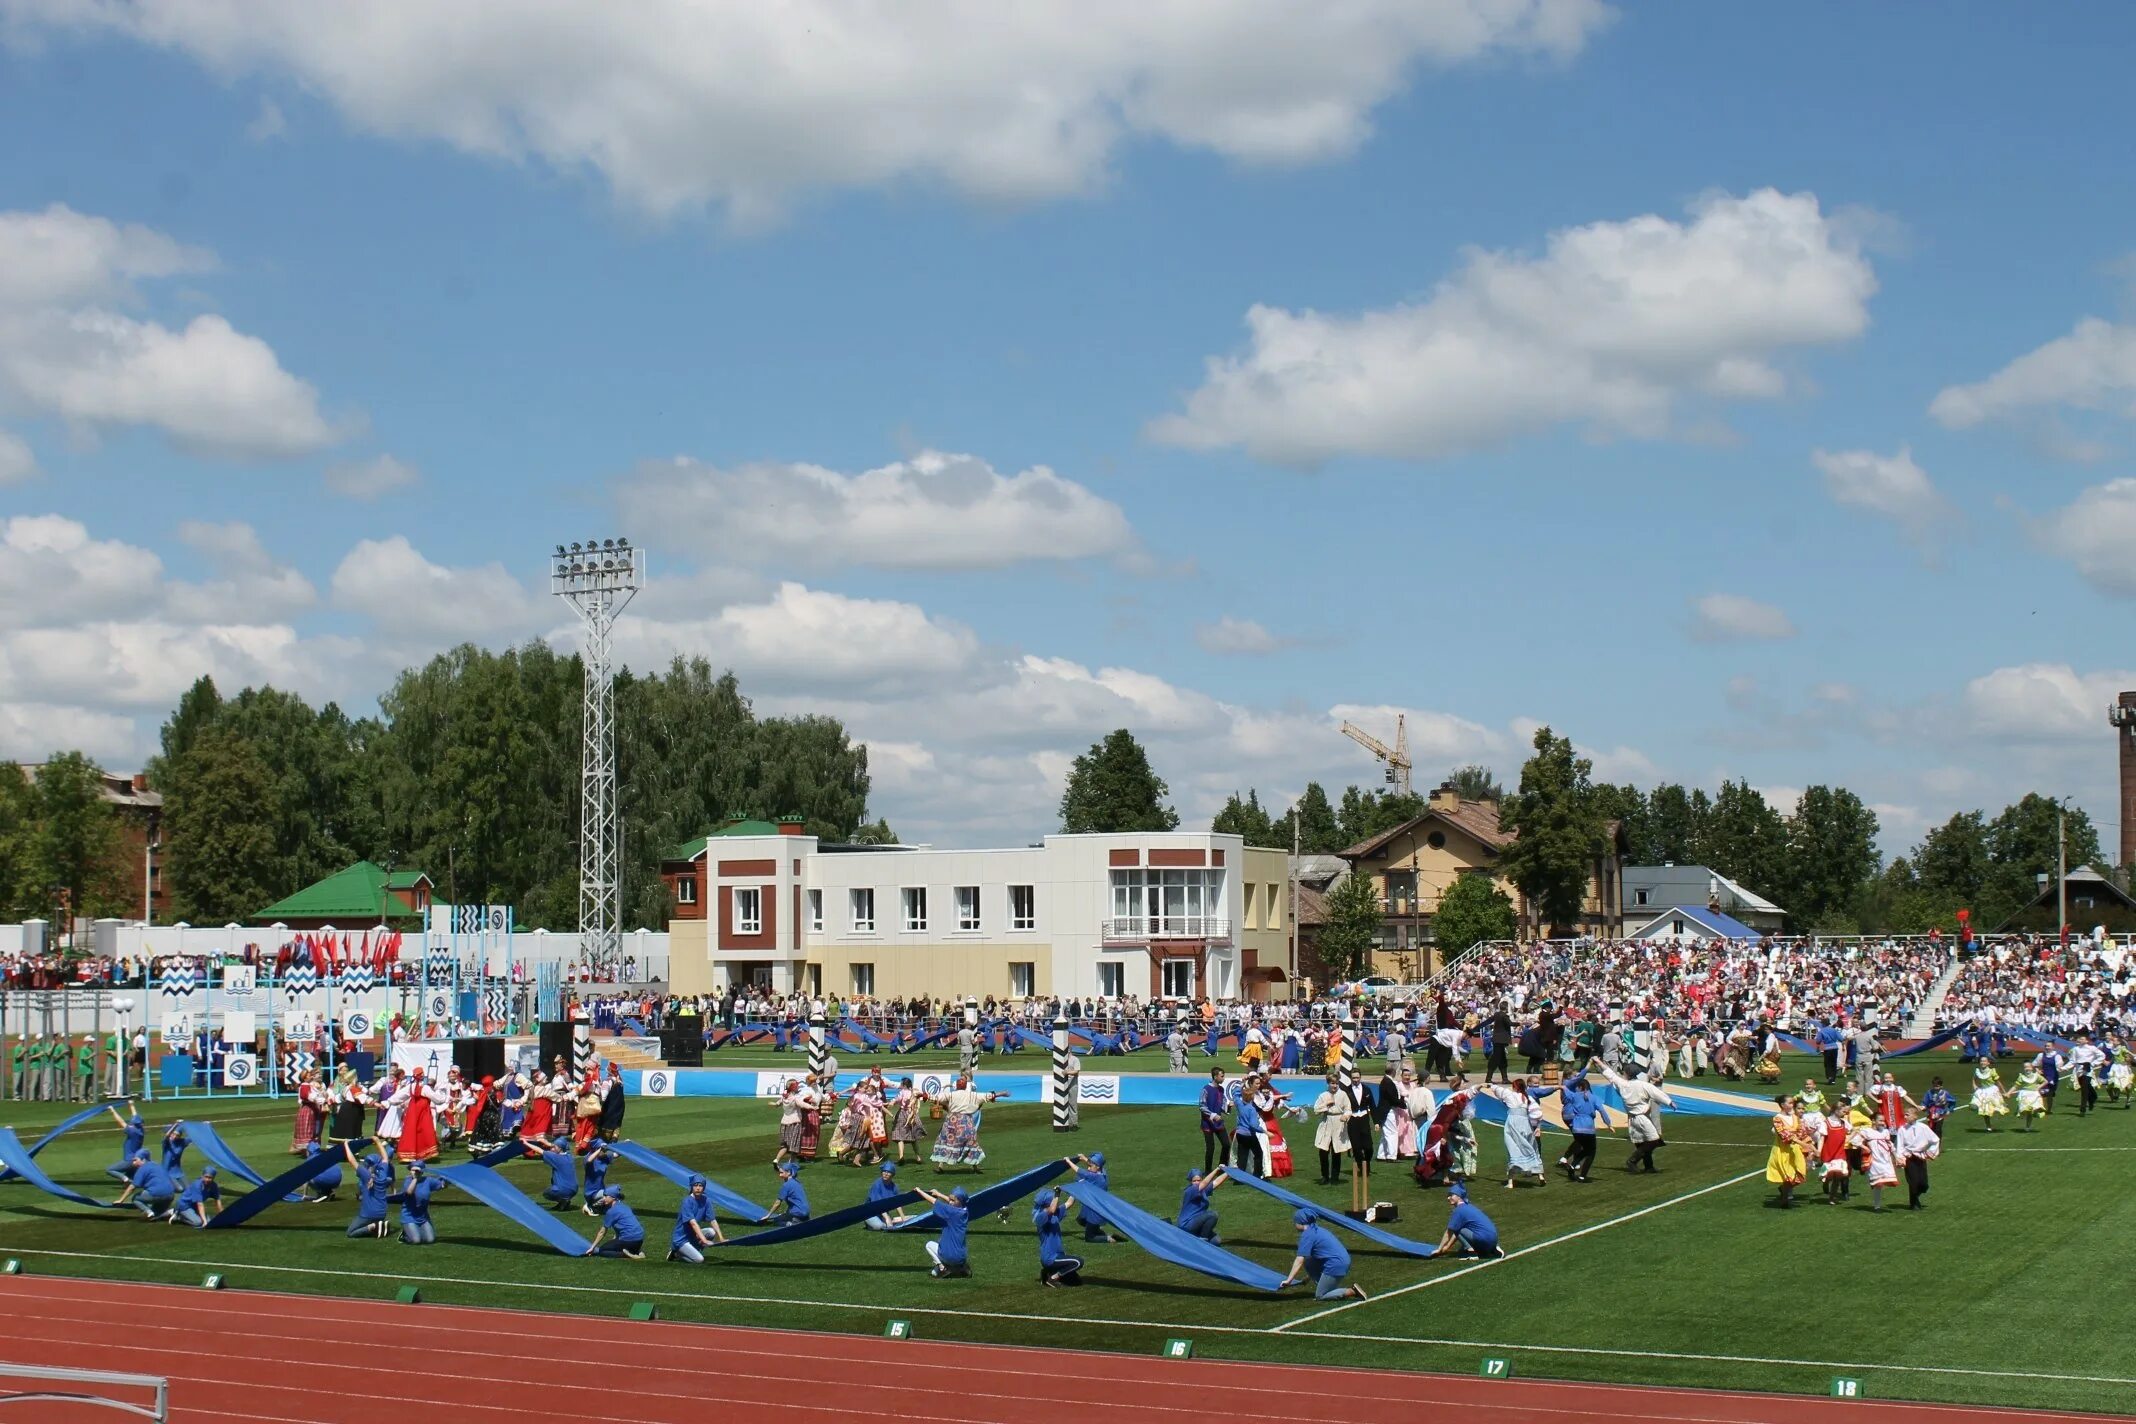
[(585, 1108), (1331, 1131), (795, 1100), (1988, 1098), (2031, 1090), (1828, 1140), (453, 1110), (417, 1102), (485, 1115), (1786, 1166), (957, 1144), (1938, 1103), (1391, 1112), (540, 1113), (511, 1104), (1916, 1145), (1419, 1105), (311, 1113), (1890, 1102), (1879, 1161), (2120, 1073), (346, 1104), (872, 1121), (904, 1112), (389, 1094), (1268, 1104), (1439, 1150), (844, 1125), (1523, 1129)]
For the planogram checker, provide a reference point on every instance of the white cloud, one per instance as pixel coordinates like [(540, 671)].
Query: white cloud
[(2043, 703), (1731, 617), (1238, 636), (2092, 369), (1893, 486), (65, 352), (249, 586), (268, 123), (370, 479), (17, 463), (431, 605), (933, 511), (33, 731), (680, 104), (52, 573), (1613, 328), (1835, 693), (2097, 534), (804, 638)]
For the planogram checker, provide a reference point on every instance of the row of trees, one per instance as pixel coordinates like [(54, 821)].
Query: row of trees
[(60, 847), (471, 772)]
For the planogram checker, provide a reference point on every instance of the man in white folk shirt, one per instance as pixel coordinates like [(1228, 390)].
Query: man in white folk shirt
[(2088, 1062), (1916, 1145), (1643, 1102)]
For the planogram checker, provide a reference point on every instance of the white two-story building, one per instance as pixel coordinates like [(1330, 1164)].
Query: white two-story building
[(1168, 913)]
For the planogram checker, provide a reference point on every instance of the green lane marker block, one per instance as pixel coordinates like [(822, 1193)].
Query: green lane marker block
[(212, 1281), (11, 1267), (1179, 1349), (1495, 1368), (644, 1310), (1845, 1387), (898, 1330), (408, 1295)]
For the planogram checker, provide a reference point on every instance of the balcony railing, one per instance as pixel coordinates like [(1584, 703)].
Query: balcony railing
[(1141, 929)]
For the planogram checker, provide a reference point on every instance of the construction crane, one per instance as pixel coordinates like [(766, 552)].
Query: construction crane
[(1396, 756)]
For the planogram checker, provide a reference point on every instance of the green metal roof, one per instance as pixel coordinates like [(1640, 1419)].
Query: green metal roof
[(690, 850), (355, 896)]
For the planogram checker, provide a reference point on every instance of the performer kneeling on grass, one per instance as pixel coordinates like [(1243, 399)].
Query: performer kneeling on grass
[(416, 1227), (791, 1205), (1468, 1231), (152, 1183), (1090, 1172), (950, 1253), (696, 1226), (374, 1183), (1055, 1266), (619, 1229), (883, 1188), (199, 1201), (1323, 1258), (1196, 1216), (563, 1172)]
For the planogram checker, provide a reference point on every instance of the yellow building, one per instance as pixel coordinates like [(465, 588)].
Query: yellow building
[(1413, 865)]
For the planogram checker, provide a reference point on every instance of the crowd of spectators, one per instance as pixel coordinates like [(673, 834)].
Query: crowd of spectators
[(2041, 984)]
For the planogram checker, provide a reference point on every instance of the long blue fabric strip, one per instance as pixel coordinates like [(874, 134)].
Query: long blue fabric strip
[(731, 1202), (278, 1190), (1168, 1243), (16, 1158), (822, 1225), (60, 1131), (514, 1205), (1333, 1218), (994, 1198)]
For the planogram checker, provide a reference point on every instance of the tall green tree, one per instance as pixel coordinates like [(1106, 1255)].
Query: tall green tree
[(75, 852), (1318, 832), (1365, 814), (1953, 860), (1246, 818), (18, 823), (1476, 782), (1626, 804), (219, 824), (1558, 830), (1111, 788), (1675, 826), (2023, 836), (1831, 858), (1472, 910), (1746, 839), (1353, 923)]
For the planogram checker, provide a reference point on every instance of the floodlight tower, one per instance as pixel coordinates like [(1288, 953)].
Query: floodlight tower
[(598, 579)]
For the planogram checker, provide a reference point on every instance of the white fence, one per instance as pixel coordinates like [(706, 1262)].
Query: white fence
[(493, 954)]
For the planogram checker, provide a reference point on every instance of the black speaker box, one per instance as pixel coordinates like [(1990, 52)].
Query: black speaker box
[(478, 1058), (555, 1044)]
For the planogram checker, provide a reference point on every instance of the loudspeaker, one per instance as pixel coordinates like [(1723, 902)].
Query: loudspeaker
[(555, 1044), (692, 1024), (682, 1050), (478, 1058)]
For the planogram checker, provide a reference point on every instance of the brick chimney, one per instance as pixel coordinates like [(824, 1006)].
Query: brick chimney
[(1444, 797), (140, 781), (793, 825)]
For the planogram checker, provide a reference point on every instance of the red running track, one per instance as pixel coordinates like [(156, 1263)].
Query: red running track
[(289, 1359)]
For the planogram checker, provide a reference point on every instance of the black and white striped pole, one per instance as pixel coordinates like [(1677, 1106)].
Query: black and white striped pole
[(968, 1057), (1061, 1103), (815, 1045), (1346, 1057)]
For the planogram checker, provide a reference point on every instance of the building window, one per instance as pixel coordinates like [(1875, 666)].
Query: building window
[(1112, 981), (1274, 920), (1639, 897), (686, 890), (815, 911), (1252, 900), (1023, 907), (1178, 978), (815, 981), (864, 979), (1167, 904), (1436, 840), (748, 910), (915, 907), (863, 907), (1023, 980), (967, 908)]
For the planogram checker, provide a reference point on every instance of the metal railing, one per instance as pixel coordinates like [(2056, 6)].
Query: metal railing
[(156, 1385), (1138, 928)]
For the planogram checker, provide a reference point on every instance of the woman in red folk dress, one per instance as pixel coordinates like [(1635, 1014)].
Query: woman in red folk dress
[(311, 1112), (419, 1129), (586, 1123), (541, 1113)]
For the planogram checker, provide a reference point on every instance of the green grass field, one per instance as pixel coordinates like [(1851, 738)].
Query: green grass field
[(2009, 1290)]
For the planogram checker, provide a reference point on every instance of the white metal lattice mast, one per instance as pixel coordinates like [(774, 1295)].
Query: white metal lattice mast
[(598, 579)]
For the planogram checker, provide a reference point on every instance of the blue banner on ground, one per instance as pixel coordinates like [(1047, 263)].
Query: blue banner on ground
[(823, 1225), (514, 1205), (278, 1190), (992, 1199), (731, 1202), (225, 1158), (1333, 1218), (1168, 1243), (16, 1158)]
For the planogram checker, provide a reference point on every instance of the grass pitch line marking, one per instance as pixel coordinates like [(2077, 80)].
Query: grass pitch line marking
[(1516, 1255), (1203, 1329)]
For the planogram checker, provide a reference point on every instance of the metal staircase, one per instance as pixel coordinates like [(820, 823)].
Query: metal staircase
[(1923, 1023)]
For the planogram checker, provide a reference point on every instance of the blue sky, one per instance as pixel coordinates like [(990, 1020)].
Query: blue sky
[(324, 327)]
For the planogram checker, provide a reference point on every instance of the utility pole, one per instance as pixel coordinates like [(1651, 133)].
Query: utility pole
[(2061, 873), (1297, 937)]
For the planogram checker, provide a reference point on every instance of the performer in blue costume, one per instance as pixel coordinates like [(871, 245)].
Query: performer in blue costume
[(951, 1251), (791, 1205), (1196, 1216), (696, 1226), (136, 1139), (1055, 1266)]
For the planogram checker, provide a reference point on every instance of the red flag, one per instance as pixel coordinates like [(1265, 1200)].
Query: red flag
[(363, 949)]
